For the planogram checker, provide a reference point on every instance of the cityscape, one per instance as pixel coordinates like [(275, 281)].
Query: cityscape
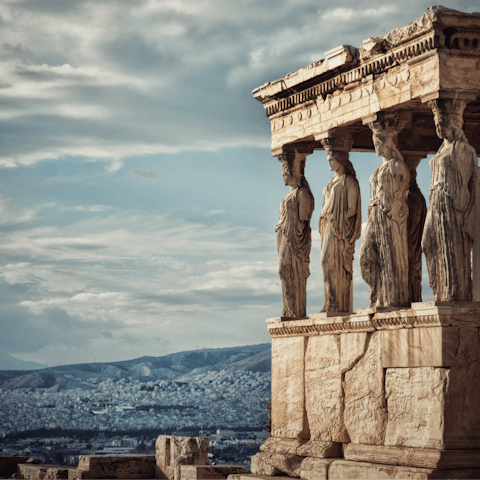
[(126, 415)]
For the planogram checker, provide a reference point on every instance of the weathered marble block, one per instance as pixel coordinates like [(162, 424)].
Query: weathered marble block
[(412, 457), (344, 469), (365, 413), (114, 466), (437, 408), (276, 464), (419, 347), (323, 389), (172, 452), (204, 472), (289, 417), (304, 448), (43, 471), (315, 468)]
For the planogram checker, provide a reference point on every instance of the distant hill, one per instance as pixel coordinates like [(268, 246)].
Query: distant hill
[(8, 362), (176, 366)]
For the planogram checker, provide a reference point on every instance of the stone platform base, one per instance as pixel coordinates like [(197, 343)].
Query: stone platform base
[(344, 469), (205, 472), (339, 469)]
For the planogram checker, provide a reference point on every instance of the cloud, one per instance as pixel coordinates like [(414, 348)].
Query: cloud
[(89, 208), (109, 80), (143, 173)]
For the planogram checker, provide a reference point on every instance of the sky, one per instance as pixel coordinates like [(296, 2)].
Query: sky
[(138, 194)]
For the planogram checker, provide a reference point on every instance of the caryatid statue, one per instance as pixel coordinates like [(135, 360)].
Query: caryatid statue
[(384, 251), (417, 211), (340, 225), (294, 236), (448, 235)]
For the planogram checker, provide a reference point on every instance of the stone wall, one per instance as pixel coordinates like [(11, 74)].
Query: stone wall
[(398, 401)]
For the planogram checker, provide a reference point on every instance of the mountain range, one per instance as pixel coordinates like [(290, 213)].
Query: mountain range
[(181, 366), (8, 362)]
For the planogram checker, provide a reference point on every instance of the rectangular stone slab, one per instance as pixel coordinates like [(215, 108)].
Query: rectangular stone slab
[(315, 468), (115, 466), (412, 457), (289, 417), (416, 401), (344, 469), (194, 472), (419, 347), (323, 389)]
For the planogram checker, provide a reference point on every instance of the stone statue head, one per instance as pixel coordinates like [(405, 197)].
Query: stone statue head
[(341, 158), (293, 169), (337, 147), (448, 116), (385, 132)]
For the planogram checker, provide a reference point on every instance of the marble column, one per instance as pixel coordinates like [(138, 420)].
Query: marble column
[(340, 224), (294, 235), (384, 252), (449, 227), (417, 211)]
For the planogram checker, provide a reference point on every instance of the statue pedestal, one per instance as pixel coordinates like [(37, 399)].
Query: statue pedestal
[(392, 390)]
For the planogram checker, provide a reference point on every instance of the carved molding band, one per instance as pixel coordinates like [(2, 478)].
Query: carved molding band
[(394, 320), (375, 66), (326, 329)]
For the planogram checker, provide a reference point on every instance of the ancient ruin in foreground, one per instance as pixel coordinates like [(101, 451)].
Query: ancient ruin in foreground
[(391, 391)]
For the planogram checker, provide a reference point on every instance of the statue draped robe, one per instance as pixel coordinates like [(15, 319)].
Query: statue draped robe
[(448, 235), (339, 234), (384, 252), (294, 239)]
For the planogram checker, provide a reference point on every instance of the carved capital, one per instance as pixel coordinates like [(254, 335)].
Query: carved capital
[(294, 162), (339, 139), (388, 124), (450, 94), (448, 106)]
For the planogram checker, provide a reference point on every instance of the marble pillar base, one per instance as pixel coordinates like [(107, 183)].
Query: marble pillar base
[(384, 389)]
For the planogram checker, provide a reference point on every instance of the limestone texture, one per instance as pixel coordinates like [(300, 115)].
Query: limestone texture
[(419, 347), (344, 469), (412, 457), (172, 452), (462, 412), (323, 389), (276, 464), (315, 468), (416, 402), (287, 446), (289, 417), (365, 412), (122, 466), (352, 348), (194, 472), (43, 471), (319, 449), (292, 446)]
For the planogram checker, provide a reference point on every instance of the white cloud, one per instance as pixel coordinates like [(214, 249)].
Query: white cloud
[(109, 80)]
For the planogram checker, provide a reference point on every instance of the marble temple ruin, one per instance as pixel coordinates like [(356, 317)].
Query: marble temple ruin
[(391, 390)]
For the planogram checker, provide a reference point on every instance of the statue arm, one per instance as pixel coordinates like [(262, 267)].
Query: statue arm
[(352, 197), (305, 205)]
